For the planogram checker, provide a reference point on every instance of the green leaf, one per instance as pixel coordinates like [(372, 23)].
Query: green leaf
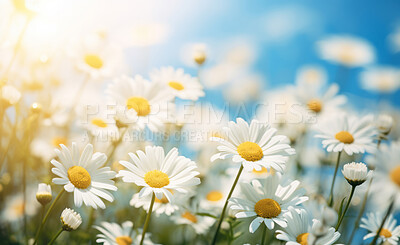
[(341, 207)]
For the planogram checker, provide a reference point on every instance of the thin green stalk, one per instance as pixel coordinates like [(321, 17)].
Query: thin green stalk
[(226, 205), (263, 234), (47, 216), (114, 147), (330, 199), (56, 236), (360, 214), (146, 223), (353, 188), (383, 222)]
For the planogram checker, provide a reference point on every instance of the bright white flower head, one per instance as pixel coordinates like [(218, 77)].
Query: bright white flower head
[(115, 234), (97, 60), (43, 194), (182, 85), (254, 145), (301, 229), (268, 201), (194, 54), (348, 133), (84, 175), (244, 89), (346, 50), (319, 101), (140, 103), (355, 173), (381, 79), (159, 173), (390, 232), (70, 219)]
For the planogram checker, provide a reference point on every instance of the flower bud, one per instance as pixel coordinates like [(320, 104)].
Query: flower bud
[(43, 195), (70, 219)]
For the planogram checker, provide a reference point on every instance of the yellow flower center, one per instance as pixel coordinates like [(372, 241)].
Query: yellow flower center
[(139, 104), (99, 122), (94, 61), (267, 208), (250, 151), (302, 238), (315, 105), (123, 240), (162, 200), (214, 196), (262, 171), (18, 209), (57, 141), (156, 179), (385, 232), (189, 216), (344, 137), (79, 177), (395, 175), (176, 85), (199, 58)]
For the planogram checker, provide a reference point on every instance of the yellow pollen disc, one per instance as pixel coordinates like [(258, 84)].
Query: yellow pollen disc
[(79, 177), (94, 61), (99, 122), (139, 104), (162, 200), (214, 196), (386, 233), (176, 85), (156, 179), (267, 208), (123, 240), (395, 175), (199, 58), (189, 216), (262, 171), (302, 238), (250, 151), (344, 137), (315, 105), (57, 141)]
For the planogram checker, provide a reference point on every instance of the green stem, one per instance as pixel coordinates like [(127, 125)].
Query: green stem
[(330, 199), (47, 216), (383, 222), (56, 236), (263, 234), (353, 188), (146, 223), (364, 204), (226, 205)]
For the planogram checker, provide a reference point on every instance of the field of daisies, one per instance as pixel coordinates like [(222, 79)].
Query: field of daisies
[(101, 145)]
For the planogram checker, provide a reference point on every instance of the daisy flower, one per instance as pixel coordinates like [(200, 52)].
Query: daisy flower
[(390, 232), (319, 101), (188, 216), (346, 50), (254, 145), (213, 192), (267, 201), (70, 219), (140, 102), (84, 175), (381, 79), (387, 172), (159, 173), (347, 133), (161, 206), (115, 234), (95, 59), (301, 229), (356, 173), (311, 76), (182, 85)]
